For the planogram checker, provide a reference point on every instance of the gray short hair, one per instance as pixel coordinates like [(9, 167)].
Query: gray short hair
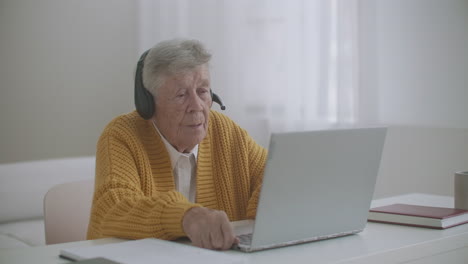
[(171, 57)]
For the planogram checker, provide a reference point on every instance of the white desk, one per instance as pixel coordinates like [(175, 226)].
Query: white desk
[(378, 243)]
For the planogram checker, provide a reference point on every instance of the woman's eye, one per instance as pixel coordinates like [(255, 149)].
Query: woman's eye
[(203, 91)]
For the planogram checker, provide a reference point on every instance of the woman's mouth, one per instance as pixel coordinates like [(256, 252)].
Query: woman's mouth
[(196, 125)]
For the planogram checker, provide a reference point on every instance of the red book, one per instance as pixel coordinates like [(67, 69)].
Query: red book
[(416, 215)]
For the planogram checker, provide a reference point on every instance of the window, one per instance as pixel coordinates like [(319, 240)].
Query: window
[(290, 63)]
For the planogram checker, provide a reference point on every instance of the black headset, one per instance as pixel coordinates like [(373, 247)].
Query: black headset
[(144, 100)]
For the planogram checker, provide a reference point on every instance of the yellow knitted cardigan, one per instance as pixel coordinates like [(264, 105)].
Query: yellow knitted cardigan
[(135, 194)]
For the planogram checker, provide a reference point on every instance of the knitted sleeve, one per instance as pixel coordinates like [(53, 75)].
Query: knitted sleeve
[(123, 205)]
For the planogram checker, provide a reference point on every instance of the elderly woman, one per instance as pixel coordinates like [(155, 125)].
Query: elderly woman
[(174, 167)]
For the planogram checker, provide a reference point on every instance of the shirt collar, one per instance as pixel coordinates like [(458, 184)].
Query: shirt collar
[(173, 153)]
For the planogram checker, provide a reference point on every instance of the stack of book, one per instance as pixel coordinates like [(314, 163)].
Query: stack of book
[(421, 216)]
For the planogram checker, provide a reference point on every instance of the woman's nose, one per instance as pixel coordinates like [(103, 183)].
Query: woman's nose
[(195, 103)]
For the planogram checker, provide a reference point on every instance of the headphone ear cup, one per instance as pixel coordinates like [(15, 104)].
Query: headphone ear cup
[(144, 100), (145, 103)]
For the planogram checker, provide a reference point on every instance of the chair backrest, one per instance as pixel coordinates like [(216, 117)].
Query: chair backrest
[(67, 208)]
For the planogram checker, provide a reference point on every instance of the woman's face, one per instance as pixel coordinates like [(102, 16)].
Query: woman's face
[(183, 105)]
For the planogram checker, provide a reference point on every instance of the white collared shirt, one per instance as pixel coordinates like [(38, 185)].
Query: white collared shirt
[(184, 168)]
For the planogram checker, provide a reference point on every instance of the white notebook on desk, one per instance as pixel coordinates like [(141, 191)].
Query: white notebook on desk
[(150, 250)]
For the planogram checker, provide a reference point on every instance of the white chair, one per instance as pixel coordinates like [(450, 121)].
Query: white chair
[(67, 208)]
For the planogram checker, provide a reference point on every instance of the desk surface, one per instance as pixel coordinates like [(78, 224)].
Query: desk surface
[(378, 243)]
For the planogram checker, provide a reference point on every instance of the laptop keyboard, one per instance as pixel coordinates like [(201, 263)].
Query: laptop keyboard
[(245, 239)]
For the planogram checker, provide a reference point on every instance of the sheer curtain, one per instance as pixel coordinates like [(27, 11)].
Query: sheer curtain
[(290, 64)]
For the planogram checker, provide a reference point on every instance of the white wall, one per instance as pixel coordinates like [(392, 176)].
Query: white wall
[(65, 70), (415, 73), (415, 62), (421, 159)]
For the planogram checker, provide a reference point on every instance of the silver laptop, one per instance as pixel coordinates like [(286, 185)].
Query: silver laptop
[(317, 185)]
